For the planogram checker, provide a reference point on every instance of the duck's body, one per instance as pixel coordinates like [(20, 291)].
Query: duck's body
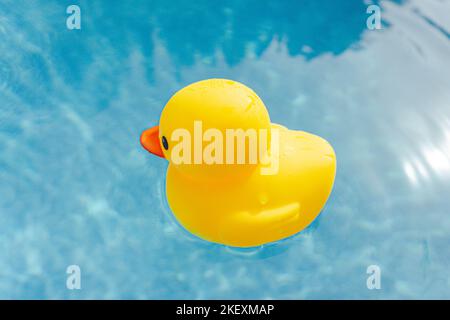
[(260, 208), (238, 205)]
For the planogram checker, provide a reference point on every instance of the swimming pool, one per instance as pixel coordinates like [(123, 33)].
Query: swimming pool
[(76, 188)]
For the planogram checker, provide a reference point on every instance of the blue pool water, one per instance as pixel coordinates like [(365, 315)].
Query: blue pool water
[(77, 188)]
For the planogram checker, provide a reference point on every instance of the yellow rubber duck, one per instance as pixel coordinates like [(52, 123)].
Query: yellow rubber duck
[(228, 198)]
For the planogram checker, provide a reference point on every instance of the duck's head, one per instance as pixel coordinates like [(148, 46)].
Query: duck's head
[(199, 119)]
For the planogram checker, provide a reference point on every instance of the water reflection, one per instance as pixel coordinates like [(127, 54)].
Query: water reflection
[(431, 158), (191, 30), (308, 27)]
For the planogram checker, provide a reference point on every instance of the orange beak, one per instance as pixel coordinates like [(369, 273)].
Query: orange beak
[(150, 141)]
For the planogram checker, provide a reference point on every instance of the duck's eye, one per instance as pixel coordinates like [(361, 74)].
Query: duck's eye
[(164, 143)]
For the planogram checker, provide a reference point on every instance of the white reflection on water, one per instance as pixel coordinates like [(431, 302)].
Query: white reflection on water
[(430, 158)]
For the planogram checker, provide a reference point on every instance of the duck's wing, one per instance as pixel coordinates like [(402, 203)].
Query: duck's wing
[(276, 217), (244, 228)]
